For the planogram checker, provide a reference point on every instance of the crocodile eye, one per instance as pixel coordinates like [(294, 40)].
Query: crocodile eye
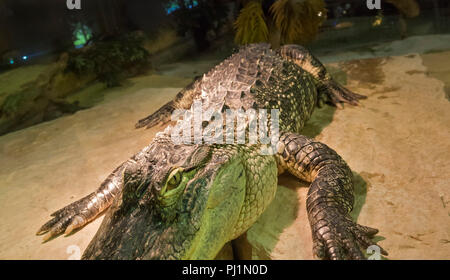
[(173, 187), (174, 181)]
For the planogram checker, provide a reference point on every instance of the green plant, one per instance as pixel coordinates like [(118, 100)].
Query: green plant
[(297, 21), (110, 60)]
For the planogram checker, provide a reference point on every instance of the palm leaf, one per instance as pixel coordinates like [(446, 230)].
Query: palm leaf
[(298, 20), (410, 8), (251, 26)]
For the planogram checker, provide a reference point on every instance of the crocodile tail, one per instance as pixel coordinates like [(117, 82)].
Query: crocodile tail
[(327, 87)]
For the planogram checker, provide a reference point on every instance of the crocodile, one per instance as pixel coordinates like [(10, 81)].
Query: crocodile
[(186, 200)]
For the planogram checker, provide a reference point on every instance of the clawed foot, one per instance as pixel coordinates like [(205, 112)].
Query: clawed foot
[(337, 237), (162, 116), (66, 220), (148, 122), (339, 95)]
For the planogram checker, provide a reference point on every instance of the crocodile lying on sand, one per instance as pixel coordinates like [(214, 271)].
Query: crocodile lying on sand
[(185, 201)]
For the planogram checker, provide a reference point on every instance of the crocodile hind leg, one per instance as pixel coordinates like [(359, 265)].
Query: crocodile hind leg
[(330, 197), (183, 100), (83, 211), (326, 85)]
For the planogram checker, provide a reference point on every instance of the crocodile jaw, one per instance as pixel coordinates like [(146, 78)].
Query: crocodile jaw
[(224, 204), (206, 214)]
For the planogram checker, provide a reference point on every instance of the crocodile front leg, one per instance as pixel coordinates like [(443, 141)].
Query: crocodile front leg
[(330, 197), (83, 211)]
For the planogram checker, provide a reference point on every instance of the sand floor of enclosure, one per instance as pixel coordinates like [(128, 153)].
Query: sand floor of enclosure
[(397, 143)]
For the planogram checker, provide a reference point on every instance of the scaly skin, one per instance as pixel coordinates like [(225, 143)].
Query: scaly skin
[(186, 201)]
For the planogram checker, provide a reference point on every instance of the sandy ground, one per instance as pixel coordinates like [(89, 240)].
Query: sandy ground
[(397, 143)]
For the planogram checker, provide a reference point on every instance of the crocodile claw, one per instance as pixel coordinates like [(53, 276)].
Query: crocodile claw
[(337, 237), (339, 95), (66, 220), (162, 116)]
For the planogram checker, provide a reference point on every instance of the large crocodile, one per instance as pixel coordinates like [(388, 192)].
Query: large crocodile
[(185, 201)]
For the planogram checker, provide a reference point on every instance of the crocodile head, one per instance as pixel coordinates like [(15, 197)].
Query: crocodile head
[(179, 202)]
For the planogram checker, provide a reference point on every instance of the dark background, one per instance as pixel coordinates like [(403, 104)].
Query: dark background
[(32, 26)]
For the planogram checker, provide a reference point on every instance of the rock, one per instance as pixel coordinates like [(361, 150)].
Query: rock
[(35, 101)]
